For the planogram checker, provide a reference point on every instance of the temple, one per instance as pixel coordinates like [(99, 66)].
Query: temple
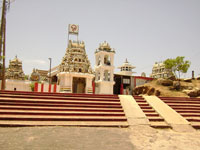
[(159, 71), (75, 73), (104, 69), (14, 71)]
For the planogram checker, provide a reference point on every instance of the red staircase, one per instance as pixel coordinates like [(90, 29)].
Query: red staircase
[(35, 109), (154, 118), (189, 108)]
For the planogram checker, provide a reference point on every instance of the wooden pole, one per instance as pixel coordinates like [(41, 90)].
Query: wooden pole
[(4, 54), (2, 26), (2, 43)]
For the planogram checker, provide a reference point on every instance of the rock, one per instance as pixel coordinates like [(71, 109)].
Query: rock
[(176, 85), (157, 93), (188, 80), (145, 89), (165, 82), (198, 78), (173, 78), (193, 93), (151, 91)]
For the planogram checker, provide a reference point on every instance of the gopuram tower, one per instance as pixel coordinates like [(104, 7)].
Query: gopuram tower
[(75, 73), (14, 71)]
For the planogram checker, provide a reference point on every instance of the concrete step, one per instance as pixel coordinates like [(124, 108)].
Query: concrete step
[(58, 94), (33, 108), (196, 125), (59, 98), (190, 115), (58, 105), (184, 106), (57, 101), (156, 124), (182, 102), (148, 111), (152, 114), (155, 118), (56, 113), (60, 118), (64, 123), (188, 111), (146, 107)]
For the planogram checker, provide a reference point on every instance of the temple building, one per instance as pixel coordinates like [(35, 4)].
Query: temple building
[(159, 71), (14, 71), (39, 75), (75, 73), (123, 79), (104, 69)]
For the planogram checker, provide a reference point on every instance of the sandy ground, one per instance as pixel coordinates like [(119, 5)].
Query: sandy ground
[(85, 138), (147, 138)]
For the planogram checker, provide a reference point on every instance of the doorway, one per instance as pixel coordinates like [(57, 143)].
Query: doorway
[(79, 85)]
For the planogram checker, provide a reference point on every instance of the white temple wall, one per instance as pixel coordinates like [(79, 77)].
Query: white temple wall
[(19, 85)]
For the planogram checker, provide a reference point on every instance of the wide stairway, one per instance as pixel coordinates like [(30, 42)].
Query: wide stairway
[(154, 118), (41, 109), (189, 108)]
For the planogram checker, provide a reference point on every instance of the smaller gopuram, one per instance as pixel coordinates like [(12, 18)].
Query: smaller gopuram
[(14, 71), (104, 69), (75, 73)]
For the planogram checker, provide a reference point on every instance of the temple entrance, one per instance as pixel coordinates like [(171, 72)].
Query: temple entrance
[(79, 85)]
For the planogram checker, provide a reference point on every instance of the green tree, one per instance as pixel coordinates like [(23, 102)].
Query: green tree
[(178, 66)]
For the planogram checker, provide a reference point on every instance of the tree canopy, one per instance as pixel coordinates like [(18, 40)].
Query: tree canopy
[(178, 65)]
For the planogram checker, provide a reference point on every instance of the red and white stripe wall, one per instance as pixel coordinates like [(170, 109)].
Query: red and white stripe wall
[(44, 87)]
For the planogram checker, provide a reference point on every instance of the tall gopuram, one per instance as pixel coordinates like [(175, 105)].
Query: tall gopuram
[(14, 71), (104, 69), (75, 73)]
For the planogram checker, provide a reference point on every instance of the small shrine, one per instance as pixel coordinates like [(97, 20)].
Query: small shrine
[(14, 71), (75, 72), (39, 75), (35, 76), (126, 68)]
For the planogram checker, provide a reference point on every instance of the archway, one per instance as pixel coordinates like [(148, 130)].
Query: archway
[(79, 85)]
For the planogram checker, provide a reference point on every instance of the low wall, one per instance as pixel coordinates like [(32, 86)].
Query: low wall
[(45, 87), (17, 85)]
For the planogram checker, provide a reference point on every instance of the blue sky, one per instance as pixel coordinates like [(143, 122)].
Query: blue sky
[(143, 31)]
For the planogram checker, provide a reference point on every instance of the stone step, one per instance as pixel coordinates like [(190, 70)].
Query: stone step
[(143, 105), (155, 119), (64, 123), (57, 101), (57, 94), (56, 113), (60, 118), (33, 108), (152, 114), (59, 105), (156, 124), (188, 111), (196, 125), (182, 102), (59, 98), (190, 115), (146, 107), (184, 106), (192, 119), (148, 111)]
